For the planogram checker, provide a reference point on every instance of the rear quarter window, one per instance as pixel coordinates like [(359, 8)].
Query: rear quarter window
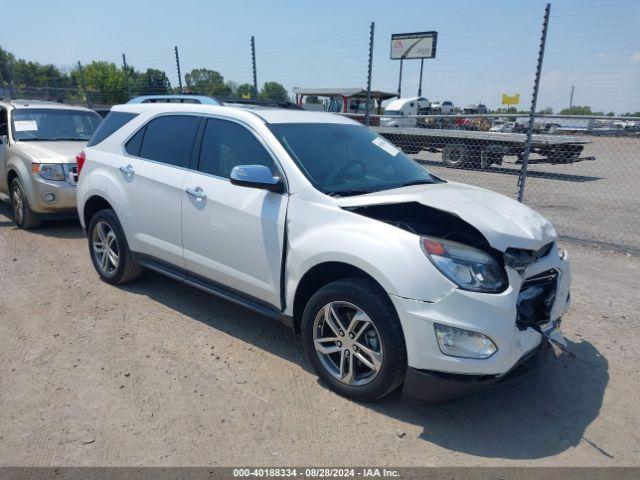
[(113, 121)]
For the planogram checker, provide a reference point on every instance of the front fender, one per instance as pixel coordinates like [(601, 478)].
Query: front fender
[(23, 168), (320, 233)]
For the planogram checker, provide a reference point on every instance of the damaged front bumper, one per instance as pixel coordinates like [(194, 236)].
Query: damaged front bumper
[(438, 387), (436, 377)]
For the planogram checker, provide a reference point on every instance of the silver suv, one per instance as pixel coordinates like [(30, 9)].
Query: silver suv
[(39, 142)]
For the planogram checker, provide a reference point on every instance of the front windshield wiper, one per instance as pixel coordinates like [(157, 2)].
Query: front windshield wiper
[(348, 193), (416, 182), (73, 139), (56, 139)]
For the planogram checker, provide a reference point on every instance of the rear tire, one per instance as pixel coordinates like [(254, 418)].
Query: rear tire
[(368, 335), (457, 155), (109, 249)]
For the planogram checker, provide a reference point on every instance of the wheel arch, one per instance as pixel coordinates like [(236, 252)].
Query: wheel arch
[(317, 277), (11, 174), (93, 205)]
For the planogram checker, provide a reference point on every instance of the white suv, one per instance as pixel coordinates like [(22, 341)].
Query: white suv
[(391, 275)]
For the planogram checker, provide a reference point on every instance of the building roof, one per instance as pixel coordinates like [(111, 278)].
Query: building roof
[(343, 92)]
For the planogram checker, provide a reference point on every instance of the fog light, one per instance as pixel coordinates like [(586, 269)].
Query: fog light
[(457, 342), (49, 197)]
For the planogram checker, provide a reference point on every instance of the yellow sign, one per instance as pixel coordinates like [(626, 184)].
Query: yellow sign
[(510, 99)]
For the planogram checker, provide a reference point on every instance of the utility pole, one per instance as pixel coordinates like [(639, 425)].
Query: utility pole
[(420, 84), (400, 80), (534, 101), (84, 85), (253, 66), (368, 111), (178, 66), (125, 67), (571, 97)]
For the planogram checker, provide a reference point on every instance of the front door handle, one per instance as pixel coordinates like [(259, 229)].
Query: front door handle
[(127, 169), (197, 193)]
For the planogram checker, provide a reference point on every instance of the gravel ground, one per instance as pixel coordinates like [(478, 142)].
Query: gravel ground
[(158, 373)]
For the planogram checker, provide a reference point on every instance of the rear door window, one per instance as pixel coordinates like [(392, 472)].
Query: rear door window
[(133, 145), (169, 139)]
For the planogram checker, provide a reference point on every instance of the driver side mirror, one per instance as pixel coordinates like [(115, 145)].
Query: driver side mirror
[(256, 176)]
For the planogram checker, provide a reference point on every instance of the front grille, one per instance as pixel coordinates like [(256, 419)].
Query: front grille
[(536, 299), (71, 173), (520, 258)]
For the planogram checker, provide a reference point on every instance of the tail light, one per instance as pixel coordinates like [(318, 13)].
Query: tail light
[(80, 158)]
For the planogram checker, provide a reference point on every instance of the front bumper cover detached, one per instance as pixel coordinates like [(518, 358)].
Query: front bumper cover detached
[(438, 387)]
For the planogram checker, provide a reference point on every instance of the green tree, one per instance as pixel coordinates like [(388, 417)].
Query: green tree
[(105, 82), (274, 91), (203, 81), (6, 65), (245, 90), (151, 82), (312, 99), (577, 110), (546, 111)]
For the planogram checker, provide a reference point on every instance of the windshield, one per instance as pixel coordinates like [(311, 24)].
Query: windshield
[(346, 160), (53, 124)]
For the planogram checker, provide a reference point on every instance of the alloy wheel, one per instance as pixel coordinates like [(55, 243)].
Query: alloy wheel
[(105, 248), (17, 201), (348, 343)]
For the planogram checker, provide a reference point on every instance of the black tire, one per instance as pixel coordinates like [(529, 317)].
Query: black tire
[(488, 158), (24, 217), (458, 155), (127, 268), (374, 302), (411, 150)]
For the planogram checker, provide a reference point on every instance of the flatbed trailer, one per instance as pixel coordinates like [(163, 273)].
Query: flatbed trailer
[(478, 149)]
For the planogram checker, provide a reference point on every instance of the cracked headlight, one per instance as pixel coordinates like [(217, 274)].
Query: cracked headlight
[(469, 268), (48, 171)]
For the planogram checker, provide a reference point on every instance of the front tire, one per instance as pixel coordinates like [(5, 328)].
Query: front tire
[(24, 217), (353, 339), (109, 249)]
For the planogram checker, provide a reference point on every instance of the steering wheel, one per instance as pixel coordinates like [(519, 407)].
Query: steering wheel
[(338, 172)]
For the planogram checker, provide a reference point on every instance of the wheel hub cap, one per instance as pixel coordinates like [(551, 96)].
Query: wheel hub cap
[(105, 248), (347, 343), (17, 204)]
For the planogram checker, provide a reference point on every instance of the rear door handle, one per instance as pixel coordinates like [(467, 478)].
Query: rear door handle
[(127, 169), (197, 193)]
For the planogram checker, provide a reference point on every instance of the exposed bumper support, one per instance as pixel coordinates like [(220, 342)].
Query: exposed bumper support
[(437, 387)]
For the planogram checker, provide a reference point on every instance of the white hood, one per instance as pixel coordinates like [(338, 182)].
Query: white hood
[(52, 152), (504, 222)]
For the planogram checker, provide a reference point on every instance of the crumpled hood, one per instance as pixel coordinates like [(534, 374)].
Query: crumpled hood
[(504, 222), (53, 152)]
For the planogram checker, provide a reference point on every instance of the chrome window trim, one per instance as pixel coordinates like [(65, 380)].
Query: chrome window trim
[(206, 116)]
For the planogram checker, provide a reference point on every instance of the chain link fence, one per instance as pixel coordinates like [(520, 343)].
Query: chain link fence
[(582, 171)]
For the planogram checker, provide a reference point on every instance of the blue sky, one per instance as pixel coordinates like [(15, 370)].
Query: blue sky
[(485, 48)]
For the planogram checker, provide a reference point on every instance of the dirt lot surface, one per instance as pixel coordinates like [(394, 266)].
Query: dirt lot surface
[(158, 373)]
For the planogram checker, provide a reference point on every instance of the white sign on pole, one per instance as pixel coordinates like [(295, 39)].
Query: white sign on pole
[(413, 45)]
